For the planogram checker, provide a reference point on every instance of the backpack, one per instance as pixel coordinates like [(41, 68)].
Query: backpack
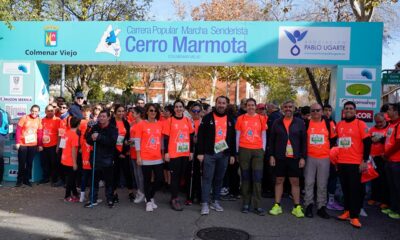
[(4, 122)]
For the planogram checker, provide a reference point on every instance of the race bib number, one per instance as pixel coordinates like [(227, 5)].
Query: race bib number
[(182, 147), (220, 146), (62, 143), (120, 140), (30, 138), (289, 150), (345, 142), (46, 139), (61, 132), (317, 139)]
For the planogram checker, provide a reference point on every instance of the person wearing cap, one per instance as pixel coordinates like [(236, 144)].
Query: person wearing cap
[(75, 109), (261, 109)]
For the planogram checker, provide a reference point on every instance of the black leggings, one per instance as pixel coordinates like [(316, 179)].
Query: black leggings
[(70, 177), (122, 164), (353, 191), (150, 187), (177, 167), (26, 154)]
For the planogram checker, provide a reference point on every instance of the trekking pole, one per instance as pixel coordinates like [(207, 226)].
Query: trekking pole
[(191, 174), (93, 167)]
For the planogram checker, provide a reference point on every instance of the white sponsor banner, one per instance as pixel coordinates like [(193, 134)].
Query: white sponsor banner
[(319, 43), (16, 110), (15, 99), (360, 102), (359, 89), (16, 68), (366, 74), (16, 84)]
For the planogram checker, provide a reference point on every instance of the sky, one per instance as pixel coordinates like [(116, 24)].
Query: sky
[(163, 10)]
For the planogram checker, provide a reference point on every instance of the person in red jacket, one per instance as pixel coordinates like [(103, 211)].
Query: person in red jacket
[(48, 156), (28, 141)]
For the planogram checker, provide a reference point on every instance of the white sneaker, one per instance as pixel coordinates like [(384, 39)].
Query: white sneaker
[(139, 197), (149, 207), (216, 206), (224, 191), (204, 209), (101, 183), (153, 203), (82, 198), (363, 213)]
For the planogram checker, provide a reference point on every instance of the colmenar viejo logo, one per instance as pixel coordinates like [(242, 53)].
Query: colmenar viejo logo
[(50, 36)]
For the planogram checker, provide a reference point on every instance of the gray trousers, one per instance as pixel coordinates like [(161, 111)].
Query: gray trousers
[(137, 170), (316, 169)]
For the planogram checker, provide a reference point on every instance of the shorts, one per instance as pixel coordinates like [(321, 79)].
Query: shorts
[(287, 167)]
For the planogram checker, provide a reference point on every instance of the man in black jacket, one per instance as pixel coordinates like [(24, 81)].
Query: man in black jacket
[(216, 146), (287, 149), (105, 136), (75, 109)]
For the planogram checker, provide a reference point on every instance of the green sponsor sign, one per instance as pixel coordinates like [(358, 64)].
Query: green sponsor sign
[(391, 78)]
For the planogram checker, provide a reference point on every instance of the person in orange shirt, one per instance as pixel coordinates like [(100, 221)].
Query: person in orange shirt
[(64, 126), (354, 148), (193, 172), (48, 157), (379, 186), (69, 160), (251, 139), (392, 165), (84, 151), (148, 141), (138, 114), (178, 133), (321, 135), (28, 138), (122, 160)]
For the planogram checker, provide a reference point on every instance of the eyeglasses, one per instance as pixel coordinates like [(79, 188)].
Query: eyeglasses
[(195, 111), (54, 106), (315, 110), (152, 110), (63, 107)]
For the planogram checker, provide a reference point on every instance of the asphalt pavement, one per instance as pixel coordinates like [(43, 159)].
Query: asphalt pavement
[(40, 213)]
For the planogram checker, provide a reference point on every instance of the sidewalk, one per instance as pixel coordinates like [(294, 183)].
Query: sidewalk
[(41, 213)]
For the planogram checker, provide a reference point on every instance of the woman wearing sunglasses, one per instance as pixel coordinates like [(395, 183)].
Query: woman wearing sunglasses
[(178, 131), (148, 137)]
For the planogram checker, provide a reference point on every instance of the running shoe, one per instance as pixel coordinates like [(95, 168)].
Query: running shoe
[(204, 209), (355, 222), (394, 215), (386, 211), (149, 207), (245, 209), (344, 216), (298, 211), (334, 206), (259, 211), (176, 205), (216, 206), (276, 210)]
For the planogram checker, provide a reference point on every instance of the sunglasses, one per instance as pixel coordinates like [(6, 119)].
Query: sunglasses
[(195, 111), (152, 110), (315, 110), (54, 106), (79, 97)]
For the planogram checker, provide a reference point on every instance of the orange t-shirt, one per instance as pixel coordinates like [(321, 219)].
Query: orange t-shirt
[(150, 135), (29, 128), (50, 131), (196, 125), (350, 141), (221, 127), (179, 131), (251, 128), (318, 140), (130, 118), (71, 140), (64, 126), (133, 131), (121, 134), (85, 147), (289, 153), (391, 139), (378, 148)]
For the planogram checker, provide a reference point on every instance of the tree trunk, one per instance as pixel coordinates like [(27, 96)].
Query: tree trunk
[(214, 78), (314, 86)]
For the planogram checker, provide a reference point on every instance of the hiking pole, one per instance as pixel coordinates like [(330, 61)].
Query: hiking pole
[(191, 174), (93, 167)]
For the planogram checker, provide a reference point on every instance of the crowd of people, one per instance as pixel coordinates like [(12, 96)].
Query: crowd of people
[(214, 154)]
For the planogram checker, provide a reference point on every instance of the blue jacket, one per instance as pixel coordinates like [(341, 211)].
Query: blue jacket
[(75, 110)]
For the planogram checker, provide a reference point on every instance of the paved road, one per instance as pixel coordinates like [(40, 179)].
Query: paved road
[(40, 213)]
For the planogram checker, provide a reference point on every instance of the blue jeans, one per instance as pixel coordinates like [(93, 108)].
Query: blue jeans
[(214, 168)]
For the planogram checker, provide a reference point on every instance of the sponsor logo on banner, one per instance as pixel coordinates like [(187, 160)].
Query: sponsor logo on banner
[(365, 115), (16, 68), (15, 99), (358, 89), (13, 173), (367, 74), (109, 42), (324, 43), (360, 102)]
